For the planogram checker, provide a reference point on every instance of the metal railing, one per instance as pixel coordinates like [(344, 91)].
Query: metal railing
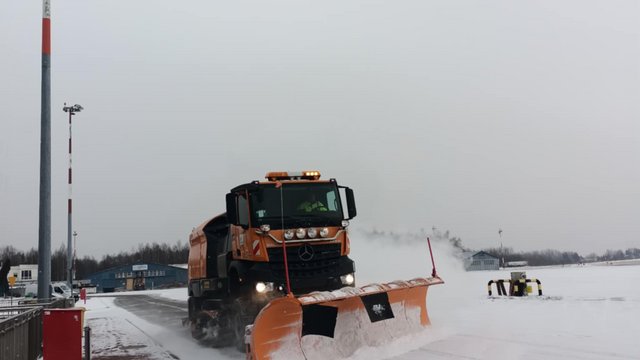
[(21, 328)]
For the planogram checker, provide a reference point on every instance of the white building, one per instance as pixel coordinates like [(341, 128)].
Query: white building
[(517, 263), (24, 273)]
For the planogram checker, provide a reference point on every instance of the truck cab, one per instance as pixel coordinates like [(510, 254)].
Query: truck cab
[(242, 249), (238, 260)]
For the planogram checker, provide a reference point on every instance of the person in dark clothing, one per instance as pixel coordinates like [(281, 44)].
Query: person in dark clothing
[(4, 283)]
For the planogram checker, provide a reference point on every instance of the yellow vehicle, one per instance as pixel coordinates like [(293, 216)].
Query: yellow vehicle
[(278, 259)]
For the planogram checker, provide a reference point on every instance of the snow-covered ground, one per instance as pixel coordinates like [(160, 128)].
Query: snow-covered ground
[(587, 312)]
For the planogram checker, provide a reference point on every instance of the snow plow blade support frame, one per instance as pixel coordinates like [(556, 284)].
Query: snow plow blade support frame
[(335, 324)]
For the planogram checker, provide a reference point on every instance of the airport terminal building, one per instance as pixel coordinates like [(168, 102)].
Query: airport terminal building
[(139, 276)]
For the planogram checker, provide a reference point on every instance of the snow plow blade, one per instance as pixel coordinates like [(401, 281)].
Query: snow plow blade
[(333, 325)]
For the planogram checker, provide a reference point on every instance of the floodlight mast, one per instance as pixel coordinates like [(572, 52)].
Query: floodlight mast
[(44, 214), (72, 110)]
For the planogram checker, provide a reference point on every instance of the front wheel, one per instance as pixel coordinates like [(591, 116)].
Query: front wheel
[(243, 313)]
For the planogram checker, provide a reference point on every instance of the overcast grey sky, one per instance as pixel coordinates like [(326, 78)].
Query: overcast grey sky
[(469, 115)]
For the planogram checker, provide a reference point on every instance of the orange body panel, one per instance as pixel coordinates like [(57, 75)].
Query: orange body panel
[(250, 244), (197, 256)]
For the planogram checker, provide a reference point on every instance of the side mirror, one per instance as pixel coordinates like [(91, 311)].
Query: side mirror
[(351, 203), (232, 209)]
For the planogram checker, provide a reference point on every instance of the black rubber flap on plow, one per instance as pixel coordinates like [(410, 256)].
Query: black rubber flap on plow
[(377, 306), (319, 320)]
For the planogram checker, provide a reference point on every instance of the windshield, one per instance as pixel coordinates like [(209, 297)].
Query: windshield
[(303, 205)]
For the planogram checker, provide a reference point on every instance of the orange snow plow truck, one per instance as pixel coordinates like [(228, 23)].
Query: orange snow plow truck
[(272, 275)]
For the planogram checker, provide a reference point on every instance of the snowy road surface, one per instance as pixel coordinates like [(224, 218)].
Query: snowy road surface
[(588, 312), (156, 310)]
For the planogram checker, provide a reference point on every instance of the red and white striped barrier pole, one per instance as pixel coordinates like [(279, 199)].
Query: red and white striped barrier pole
[(72, 110), (69, 250), (434, 273)]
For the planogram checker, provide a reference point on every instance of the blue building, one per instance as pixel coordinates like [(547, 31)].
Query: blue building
[(138, 277), (480, 260)]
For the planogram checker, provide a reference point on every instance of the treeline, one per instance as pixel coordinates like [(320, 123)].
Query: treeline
[(610, 255), (555, 257), (537, 258), (177, 253)]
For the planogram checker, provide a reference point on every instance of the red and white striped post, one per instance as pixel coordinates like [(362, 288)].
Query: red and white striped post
[(72, 110), (75, 240)]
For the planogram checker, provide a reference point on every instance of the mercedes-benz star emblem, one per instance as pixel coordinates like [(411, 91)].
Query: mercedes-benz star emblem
[(305, 253)]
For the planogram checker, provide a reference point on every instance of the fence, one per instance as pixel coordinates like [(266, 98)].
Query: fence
[(21, 329)]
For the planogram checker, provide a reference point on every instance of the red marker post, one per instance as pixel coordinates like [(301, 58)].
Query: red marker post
[(83, 295)]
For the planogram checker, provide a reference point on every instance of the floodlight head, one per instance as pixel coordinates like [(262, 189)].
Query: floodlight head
[(72, 109)]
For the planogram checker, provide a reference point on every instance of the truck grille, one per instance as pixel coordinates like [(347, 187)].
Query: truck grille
[(323, 263)]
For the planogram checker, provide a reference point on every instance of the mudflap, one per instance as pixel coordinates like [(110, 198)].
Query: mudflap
[(333, 325)]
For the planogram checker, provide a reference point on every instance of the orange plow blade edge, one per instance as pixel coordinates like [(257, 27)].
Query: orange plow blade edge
[(333, 325)]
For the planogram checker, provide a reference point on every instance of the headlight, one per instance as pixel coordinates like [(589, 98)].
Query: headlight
[(300, 233), (262, 287), (348, 279), (324, 232), (345, 223), (312, 233), (288, 234), (265, 228)]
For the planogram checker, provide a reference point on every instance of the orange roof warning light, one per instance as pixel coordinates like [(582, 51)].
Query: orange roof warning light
[(290, 175)]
